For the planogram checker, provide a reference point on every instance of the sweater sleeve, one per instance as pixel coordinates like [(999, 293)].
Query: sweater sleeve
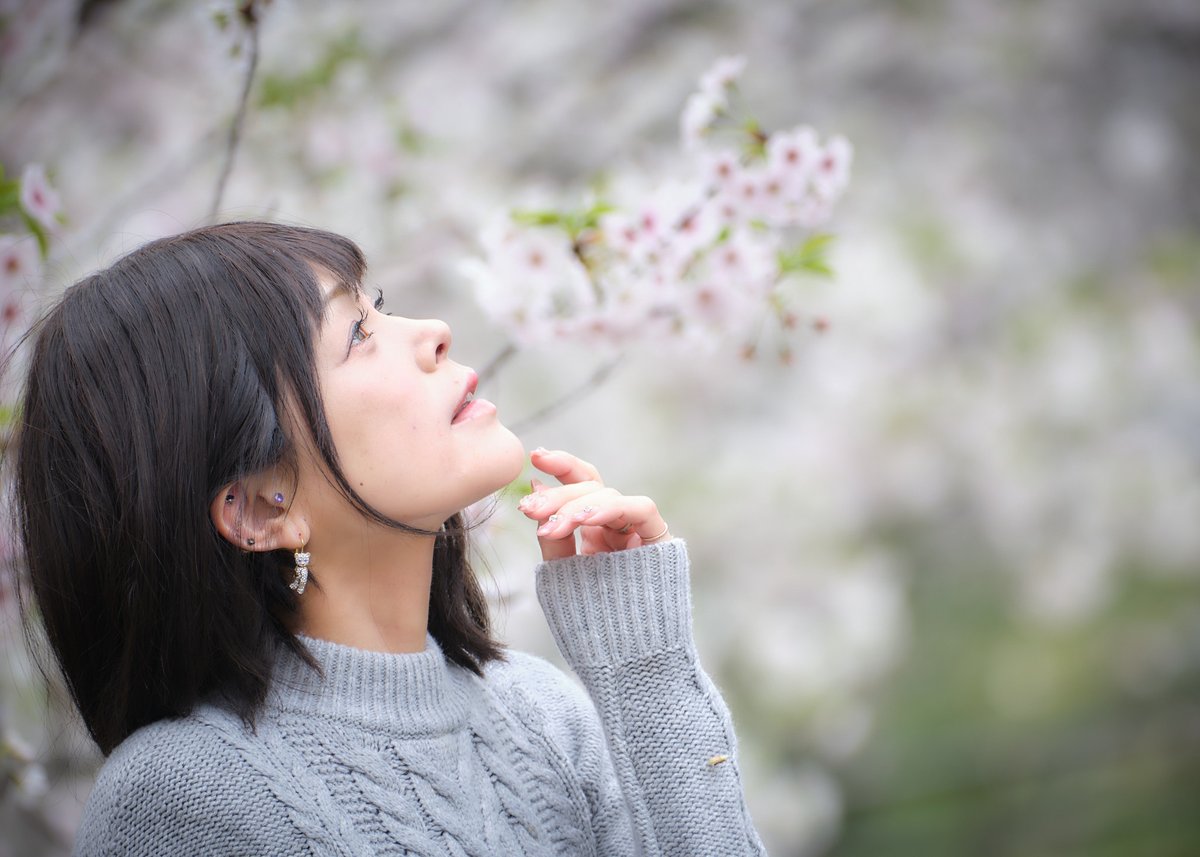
[(623, 622), (178, 788)]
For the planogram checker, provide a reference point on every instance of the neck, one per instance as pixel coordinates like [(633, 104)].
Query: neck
[(373, 591)]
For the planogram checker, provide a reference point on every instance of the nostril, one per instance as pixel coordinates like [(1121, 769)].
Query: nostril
[(441, 351)]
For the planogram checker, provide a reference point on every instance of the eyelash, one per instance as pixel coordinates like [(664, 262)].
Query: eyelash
[(358, 331)]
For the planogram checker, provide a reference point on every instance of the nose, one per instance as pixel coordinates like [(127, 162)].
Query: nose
[(433, 343)]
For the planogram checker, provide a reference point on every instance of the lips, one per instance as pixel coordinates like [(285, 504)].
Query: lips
[(468, 394)]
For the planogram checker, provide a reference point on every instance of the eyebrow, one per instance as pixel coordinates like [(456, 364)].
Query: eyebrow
[(340, 289)]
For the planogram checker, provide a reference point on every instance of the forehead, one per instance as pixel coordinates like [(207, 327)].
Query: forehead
[(333, 287)]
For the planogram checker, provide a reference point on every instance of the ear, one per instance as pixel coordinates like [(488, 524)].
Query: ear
[(250, 515)]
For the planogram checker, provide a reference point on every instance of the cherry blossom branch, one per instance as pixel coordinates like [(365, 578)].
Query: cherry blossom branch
[(598, 377), (248, 12)]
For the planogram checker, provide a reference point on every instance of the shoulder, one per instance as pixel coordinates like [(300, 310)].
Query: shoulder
[(546, 698), (192, 784), (535, 677)]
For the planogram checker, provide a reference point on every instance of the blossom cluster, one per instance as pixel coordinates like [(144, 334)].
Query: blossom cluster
[(697, 258), (30, 209)]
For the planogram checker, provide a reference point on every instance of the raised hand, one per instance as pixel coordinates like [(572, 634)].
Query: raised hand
[(606, 519)]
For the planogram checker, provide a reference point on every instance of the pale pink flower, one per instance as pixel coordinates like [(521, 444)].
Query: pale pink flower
[(722, 76), (39, 200), (743, 200), (700, 111), (20, 266), (695, 230), (745, 262), (833, 168), (792, 156), (720, 169), (529, 278), (813, 211), (711, 312), (645, 233)]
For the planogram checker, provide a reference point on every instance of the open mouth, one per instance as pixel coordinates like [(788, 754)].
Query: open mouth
[(462, 407), (467, 397)]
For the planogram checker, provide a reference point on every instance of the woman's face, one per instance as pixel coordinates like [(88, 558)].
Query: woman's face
[(391, 393)]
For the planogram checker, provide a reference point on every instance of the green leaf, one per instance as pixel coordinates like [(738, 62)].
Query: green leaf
[(282, 90), (39, 232), (10, 197), (809, 258), (591, 218), (537, 218)]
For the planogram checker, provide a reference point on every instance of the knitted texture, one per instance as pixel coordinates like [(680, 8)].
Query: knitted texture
[(409, 754)]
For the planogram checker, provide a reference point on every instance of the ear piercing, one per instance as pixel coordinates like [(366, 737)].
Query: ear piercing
[(250, 542), (228, 499), (278, 497), (301, 579)]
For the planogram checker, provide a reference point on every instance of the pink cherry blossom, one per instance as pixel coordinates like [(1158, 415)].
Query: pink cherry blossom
[(720, 168), (20, 272), (20, 265), (530, 278), (691, 260), (832, 173), (700, 111), (721, 76), (745, 262), (792, 156), (38, 198)]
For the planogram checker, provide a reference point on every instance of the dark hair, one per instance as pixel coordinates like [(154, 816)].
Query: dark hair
[(152, 385)]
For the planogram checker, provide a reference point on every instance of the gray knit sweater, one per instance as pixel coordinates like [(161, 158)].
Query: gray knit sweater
[(411, 755)]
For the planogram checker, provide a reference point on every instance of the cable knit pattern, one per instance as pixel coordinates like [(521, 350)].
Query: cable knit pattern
[(408, 754)]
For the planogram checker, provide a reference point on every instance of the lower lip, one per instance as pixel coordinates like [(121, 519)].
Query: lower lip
[(476, 408)]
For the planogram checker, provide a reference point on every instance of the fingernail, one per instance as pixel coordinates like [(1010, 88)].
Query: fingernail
[(548, 526), (536, 484), (541, 449), (584, 513)]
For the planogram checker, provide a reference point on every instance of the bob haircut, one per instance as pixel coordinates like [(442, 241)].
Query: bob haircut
[(152, 385)]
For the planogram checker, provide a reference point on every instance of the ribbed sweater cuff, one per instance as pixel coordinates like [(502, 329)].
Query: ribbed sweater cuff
[(619, 606)]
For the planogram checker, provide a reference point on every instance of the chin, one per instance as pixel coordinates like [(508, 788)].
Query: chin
[(514, 457), (496, 465)]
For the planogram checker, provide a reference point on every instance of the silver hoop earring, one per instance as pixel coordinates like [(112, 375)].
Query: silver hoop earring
[(301, 579)]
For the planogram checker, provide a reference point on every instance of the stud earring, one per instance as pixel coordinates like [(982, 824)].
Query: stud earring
[(250, 542), (228, 498), (279, 497), (301, 579)]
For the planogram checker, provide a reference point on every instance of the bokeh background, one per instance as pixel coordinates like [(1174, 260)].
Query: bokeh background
[(947, 559)]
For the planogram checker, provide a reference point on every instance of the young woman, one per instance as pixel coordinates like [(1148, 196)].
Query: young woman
[(239, 489)]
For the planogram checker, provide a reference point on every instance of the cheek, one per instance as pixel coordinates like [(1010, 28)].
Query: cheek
[(382, 437)]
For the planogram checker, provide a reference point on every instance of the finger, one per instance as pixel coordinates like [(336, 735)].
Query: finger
[(549, 501), (615, 512), (557, 546), (567, 468), (603, 508)]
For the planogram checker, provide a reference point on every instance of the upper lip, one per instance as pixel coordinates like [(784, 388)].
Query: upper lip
[(468, 392)]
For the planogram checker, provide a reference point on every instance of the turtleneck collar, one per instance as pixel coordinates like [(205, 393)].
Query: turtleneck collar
[(418, 693)]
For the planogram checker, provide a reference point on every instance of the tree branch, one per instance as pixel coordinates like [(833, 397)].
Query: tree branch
[(249, 15), (493, 365), (593, 381)]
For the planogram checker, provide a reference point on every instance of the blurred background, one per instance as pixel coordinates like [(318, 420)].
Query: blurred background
[(946, 559)]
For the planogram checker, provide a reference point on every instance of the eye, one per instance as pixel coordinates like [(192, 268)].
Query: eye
[(358, 333)]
